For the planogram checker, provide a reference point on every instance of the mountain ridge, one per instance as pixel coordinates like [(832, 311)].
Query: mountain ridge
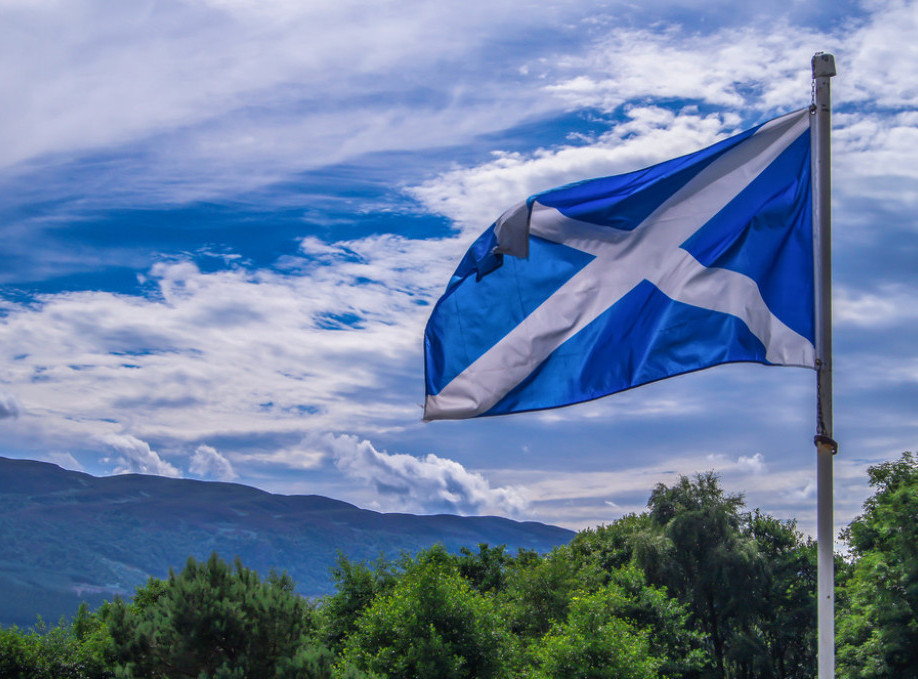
[(69, 536)]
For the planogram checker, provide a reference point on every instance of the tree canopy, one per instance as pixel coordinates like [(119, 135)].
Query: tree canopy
[(878, 634)]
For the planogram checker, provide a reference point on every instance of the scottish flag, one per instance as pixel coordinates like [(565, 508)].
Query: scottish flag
[(615, 282)]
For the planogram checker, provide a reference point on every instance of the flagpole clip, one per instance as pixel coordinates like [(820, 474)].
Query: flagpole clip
[(827, 442)]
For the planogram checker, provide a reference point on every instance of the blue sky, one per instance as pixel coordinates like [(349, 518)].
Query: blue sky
[(224, 224)]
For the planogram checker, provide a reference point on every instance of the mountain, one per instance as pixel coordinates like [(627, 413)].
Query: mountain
[(67, 537)]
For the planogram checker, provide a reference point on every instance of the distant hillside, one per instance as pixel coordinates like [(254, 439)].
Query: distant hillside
[(66, 537)]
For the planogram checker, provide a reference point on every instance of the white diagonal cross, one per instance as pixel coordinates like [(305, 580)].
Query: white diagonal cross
[(622, 259)]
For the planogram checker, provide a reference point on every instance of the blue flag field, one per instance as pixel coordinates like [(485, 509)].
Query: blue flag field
[(607, 284)]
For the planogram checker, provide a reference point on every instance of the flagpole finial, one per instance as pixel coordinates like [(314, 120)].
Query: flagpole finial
[(823, 65)]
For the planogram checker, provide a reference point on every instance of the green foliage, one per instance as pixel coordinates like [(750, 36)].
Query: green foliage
[(431, 625), (215, 621), (595, 643), (697, 553), (538, 592), (357, 587), (486, 569), (597, 552), (786, 589), (694, 588), (66, 651), (747, 579), (878, 635), (20, 654), (662, 619)]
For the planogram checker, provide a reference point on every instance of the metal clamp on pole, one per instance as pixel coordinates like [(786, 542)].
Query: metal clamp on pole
[(826, 443)]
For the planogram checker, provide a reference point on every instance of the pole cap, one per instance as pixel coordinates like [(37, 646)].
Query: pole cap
[(823, 65)]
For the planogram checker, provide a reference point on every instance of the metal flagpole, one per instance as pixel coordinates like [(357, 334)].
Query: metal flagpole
[(826, 447)]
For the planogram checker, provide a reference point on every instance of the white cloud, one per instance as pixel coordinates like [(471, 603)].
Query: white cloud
[(136, 456), (808, 492), (233, 352), (62, 459), (890, 305), (9, 406), (208, 463), (750, 68), (577, 499), (430, 484), (871, 57), (744, 464), (474, 197), (223, 96), (754, 464)]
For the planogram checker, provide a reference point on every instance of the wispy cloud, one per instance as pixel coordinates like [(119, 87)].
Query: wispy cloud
[(220, 97), (724, 68), (891, 304)]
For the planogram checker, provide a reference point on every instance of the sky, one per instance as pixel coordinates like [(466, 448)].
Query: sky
[(224, 224)]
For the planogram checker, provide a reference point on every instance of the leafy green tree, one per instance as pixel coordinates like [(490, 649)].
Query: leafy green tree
[(538, 592), (786, 593), (878, 633), (698, 553), (19, 654), (357, 585), (70, 650), (212, 620), (599, 552), (486, 569), (431, 625), (662, 619), (594, 642)]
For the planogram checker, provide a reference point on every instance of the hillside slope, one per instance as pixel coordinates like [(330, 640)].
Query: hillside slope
[(68, 536)]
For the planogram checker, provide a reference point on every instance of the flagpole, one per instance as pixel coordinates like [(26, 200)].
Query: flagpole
[(820, 127)]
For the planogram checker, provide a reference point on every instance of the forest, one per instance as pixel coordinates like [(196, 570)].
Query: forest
[(696, 587)]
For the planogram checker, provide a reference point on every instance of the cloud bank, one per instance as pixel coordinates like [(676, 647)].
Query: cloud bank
[(208, 463), (133, 456), (430, 484)]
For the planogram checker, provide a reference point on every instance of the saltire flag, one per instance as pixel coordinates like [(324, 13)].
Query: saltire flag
[(616, 282)]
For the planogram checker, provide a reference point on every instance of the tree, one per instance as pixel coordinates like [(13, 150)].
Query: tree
[(594, 642), (431, 625), (486, 569), (878, 634), (698, 553), (747, 578), (70, 650), (215, 621), (357, 586), (598, 552), (541, 594), (19, 654), (662, 619), (538, 591), (787, 595)]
